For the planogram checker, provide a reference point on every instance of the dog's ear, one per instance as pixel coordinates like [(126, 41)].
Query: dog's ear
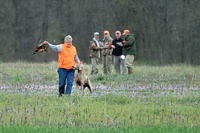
[(75, 67)]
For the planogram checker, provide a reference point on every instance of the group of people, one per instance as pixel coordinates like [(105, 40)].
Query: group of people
[(123, 51)]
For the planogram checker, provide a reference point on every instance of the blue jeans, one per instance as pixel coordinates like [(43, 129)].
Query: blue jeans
[(65, 77)]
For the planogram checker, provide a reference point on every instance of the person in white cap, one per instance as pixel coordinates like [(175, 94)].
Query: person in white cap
[(67, 57), (94, 53)]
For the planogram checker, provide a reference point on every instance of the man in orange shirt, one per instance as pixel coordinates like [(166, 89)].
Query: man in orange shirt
[(67, 57)]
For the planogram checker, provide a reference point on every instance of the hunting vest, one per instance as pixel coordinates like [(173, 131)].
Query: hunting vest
[(66, 57), (97, 43), (106, 44)]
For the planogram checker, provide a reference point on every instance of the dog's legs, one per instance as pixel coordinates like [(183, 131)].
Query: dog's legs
[(89, 85), (90, 89), (82, 89)]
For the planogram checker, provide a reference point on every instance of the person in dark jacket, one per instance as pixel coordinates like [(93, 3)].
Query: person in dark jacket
[(129, 49), (119, 58)]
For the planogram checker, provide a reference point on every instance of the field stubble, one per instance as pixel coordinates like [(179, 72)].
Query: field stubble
[(152, 95)]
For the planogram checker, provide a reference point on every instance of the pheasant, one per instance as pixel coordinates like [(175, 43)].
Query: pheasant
[(41, 47)]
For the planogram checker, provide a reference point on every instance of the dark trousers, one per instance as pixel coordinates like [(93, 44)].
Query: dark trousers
[(66, 78)]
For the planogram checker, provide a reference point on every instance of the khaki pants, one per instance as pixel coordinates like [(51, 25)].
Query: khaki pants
[(107, 62), (129, 60), (119, 62), (94, 69)]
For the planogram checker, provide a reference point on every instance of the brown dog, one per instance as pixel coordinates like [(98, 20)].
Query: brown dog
[(81, 79)]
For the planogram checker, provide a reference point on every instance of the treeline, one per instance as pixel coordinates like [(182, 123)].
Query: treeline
[(166, 31)]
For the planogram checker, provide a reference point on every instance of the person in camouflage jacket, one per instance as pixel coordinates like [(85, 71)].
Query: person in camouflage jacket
[(107, 52), (94, 48)]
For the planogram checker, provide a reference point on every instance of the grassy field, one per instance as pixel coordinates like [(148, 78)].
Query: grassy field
[(152, 99)]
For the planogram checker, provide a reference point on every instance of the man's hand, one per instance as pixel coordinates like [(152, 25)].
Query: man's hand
[(45, 42), (113, 47), (123, 42), (120, 44)]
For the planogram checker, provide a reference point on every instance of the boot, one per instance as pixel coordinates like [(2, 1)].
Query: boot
[(130, 70), (61, 90)]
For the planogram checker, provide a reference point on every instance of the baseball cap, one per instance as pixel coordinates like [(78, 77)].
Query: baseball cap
[(106, 32), (126, 32), (117, 32), (96, 33)]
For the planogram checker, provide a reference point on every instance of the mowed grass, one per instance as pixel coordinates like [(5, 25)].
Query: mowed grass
[(61, 129), (152, 99)]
